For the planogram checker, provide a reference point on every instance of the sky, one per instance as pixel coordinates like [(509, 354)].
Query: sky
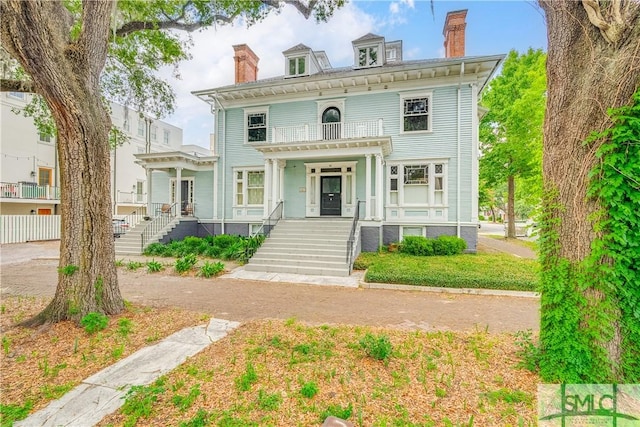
[(493, 27)]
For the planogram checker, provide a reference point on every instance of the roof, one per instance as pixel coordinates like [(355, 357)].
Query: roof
[(297, 48), (367, 37)]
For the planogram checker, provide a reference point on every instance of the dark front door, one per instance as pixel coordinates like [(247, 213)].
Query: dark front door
[(184, 196), (330, 204)]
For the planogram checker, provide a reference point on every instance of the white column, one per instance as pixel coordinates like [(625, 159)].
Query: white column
[(281, 164), (150, 211), (367, 186), (178, 194), (267, 187), (275, 188), (379, 185), (215, 191)]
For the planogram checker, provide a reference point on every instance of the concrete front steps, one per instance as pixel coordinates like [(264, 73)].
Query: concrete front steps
[(305, 246), (130, 243)]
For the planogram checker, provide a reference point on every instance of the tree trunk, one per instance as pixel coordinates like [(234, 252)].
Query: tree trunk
[(66, 74), (511, 207), (580, 338)]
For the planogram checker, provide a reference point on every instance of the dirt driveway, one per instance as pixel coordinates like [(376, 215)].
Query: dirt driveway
[(243, 300)]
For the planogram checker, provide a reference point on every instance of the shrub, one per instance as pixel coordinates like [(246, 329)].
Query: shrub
[(449, 245), (154, 266), (185, 263), (211, 269), (224, 240), (94, 322), (416, 245), (309, 389), (379, 347), (157, 249)]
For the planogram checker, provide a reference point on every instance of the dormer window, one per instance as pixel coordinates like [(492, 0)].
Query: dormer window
[(368, 56), (297, 66)]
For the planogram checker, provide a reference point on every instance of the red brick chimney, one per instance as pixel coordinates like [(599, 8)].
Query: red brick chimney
[(453, 32), (246, 64)]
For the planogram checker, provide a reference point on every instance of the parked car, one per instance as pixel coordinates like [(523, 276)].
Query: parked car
[(120, 227)]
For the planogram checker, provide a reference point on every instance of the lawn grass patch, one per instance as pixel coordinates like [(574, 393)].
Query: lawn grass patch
[(488, 271)]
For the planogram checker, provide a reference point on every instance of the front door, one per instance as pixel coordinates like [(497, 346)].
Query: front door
[(330, 203)]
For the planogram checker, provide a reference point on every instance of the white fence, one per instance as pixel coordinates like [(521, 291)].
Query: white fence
[(29, 228)]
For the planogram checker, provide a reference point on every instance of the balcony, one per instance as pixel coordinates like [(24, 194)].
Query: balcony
[(28, 190), (327, 131), (131, 198)]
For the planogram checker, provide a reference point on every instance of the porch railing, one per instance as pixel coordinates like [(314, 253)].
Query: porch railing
[(164, 216), (28, 190), (131, 197), (270, 221), (353, 237), (327, 131)]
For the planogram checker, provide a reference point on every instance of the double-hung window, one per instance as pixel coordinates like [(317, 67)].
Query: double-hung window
[(297, 66), (416, 113), (249, 187), (140, 128), (256, 125), (421, 183)]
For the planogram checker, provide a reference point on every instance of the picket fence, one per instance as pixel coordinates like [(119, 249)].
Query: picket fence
[(29, 228)]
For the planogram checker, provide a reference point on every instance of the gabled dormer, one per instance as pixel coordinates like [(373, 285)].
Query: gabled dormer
[(300, 60), (368, 51)]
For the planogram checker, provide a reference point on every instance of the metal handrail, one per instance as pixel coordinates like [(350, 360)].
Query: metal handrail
[(352, 236), (159, 222), (271, 221), (128, 222)]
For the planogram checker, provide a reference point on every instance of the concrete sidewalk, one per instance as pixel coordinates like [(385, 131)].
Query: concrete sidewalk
[(103, 393)]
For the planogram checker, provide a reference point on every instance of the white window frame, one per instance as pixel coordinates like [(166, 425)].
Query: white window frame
[(245, 187), (297, 58), (423, 230), (251, 111), (141, 128), (368, 49), (166, 136), (45, 139), (154, 133), (397, 208), (429, 114)]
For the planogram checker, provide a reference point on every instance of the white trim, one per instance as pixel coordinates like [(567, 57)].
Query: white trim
[(402, 227), (255, 110), (417, 94), (312, 186), (245, 208)]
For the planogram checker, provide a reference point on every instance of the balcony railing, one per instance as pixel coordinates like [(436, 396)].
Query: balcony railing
[(28, 190), (327, 131), (131, 197)]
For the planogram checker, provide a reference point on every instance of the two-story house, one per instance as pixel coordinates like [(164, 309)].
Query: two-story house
[(393, 140)]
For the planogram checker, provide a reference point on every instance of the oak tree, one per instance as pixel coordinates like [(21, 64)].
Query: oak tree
[(590, 304), (73, 53)]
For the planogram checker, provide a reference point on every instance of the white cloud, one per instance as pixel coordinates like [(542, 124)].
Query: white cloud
[(212, 64), (394, 7)]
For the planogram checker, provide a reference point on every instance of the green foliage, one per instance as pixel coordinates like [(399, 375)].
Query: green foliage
[(343, 412), (6, 345), (488, 271), (508, 396), (11, 413), (588, 304), (157, 249), (379, 347), (134, 265), (209, 269), (442, 245), (201, 419), (139, 401), (185, 402), (268, 401), (244, 381), (528, 351), (185, 263), (154, 266), (68, 270), (309, 389), (125, 327), (94, 322), (224, 246)]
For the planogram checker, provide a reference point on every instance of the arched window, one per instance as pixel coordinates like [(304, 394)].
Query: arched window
[(331, 120)]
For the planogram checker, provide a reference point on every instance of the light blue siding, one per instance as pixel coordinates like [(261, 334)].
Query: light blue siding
[(203, 194), (160, 187)]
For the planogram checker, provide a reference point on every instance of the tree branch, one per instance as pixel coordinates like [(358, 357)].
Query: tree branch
[(134, 26), (24, 86)]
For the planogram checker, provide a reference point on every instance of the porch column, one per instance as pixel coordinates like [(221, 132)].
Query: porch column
[(267, 187), (275, 178), (379, 185), (367, 186), (150, 211), (281, 164), (178, 192)]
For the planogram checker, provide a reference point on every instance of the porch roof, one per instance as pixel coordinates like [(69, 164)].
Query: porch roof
[(176, 159), (327, 148)]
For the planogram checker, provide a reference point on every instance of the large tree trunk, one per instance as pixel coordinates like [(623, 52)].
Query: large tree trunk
[(587, 74), (66, 72), (511, 206)]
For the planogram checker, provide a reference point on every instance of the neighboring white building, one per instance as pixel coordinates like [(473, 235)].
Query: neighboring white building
[(29, 174)]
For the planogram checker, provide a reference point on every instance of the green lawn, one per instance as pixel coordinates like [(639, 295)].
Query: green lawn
[(482, 270)]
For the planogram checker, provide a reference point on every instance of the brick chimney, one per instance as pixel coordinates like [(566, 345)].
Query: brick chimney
[(454, 27), (246, 64)]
